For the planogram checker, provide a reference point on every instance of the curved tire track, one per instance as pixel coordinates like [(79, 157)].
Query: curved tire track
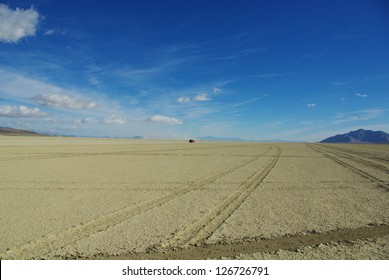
[(208, 223), (54, 241)]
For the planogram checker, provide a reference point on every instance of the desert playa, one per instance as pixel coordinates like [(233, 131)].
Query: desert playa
[(78, 198)]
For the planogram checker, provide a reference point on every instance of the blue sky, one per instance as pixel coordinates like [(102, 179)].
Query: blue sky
[(291, 70)]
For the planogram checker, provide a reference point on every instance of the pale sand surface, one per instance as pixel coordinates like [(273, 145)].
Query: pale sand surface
[(121, 198), (368, 249)]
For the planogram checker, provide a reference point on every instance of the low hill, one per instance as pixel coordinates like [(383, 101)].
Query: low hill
[(17, 132), (359, 136)]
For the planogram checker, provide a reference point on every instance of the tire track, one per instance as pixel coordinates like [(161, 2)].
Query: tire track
[(54, 241), (208, 223), (350, 167), (372, 155), (358, 159)]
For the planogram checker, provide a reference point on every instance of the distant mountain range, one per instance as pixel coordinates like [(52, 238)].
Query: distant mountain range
[(359, 136), (232, 139), (213, 138), (18, 132), (8, 131)]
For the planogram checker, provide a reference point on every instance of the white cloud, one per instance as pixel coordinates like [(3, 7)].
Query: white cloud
[(63, 101), (114, 120), (183, 99), (311, 105), (164, 120), (199, 97), (361, 95), (202, 97), (16, 24), (20, 112)]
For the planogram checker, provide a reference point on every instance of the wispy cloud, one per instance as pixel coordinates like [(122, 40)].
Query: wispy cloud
[(361, 115), (351, 119), (249, 101), (239, 54), (216, 90), (362, 94), (139, 76), (19, 86), (275, 124), (311, 105), (269, 75), (109, 120), (17, 24), (197, 112), (54, 31), (373, 113), (164, 120), (49, 32), (88, 120), (338, 83), (347, 35), (20, 112), (63, 101)]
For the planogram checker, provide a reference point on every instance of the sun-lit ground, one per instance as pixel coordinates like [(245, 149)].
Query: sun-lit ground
[(119, 198)]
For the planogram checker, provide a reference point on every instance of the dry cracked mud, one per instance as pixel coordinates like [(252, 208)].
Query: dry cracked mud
[(74, 198)]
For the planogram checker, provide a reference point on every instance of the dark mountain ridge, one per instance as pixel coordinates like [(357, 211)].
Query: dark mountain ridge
[(359, 136), (8, 131)]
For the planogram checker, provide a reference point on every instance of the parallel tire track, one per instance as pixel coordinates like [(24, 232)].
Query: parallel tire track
[(208, 223), (362, 173), (358, 159), (68, 236), (372, 155)]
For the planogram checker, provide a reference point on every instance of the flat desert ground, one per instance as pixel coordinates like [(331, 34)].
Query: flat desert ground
[(79, 198)]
